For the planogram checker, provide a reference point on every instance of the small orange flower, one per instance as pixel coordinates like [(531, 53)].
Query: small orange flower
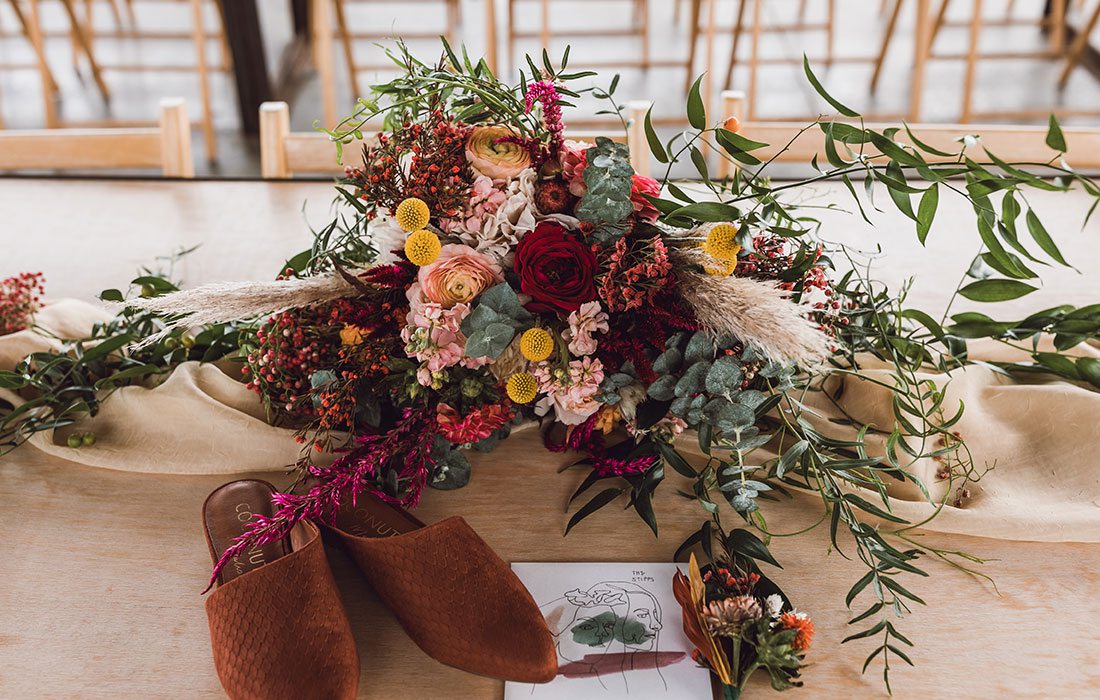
[(802, 624)]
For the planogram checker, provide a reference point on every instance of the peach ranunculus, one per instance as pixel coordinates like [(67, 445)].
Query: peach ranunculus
[(458, 275), (493, 157)]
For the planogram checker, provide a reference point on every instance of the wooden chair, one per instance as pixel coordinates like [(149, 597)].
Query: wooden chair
[(638, 26), (800, 26), (329, 20), (284, 154), (167, 147), (1018, 143)]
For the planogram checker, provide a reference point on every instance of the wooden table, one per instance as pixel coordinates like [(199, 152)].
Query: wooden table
[(102, 570)]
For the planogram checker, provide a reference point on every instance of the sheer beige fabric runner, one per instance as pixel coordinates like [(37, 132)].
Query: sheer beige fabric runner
[(1040, 439)]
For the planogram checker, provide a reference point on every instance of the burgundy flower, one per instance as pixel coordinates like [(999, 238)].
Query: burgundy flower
[(555, 268)]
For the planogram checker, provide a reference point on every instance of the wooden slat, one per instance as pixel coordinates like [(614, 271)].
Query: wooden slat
[(71, 149), (315, 153)]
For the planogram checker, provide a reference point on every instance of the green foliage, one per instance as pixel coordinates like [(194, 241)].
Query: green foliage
[(495, 320), (606, 201)]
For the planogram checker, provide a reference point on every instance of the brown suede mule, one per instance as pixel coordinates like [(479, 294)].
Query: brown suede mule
[(452, 594), (277, 625)]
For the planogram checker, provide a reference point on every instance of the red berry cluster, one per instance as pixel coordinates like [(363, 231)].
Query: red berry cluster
[(436, 171), (731, 582), (291, 347), (771, 258), (20, 297)]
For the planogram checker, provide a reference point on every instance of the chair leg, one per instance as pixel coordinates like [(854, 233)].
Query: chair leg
[(829, 32), (1077, 49), (544, 24), (941, 18), (491, 36), (199, 33), (452, 22), (921, 49), (738, 27), (85, 45), (34, 34), (754, 58), (349, 49), (643, 12), (511, 33), (891, 25), (36, 46), (971, 62), (693, 39)]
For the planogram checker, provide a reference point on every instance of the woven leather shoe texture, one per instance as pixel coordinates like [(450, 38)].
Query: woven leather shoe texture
[(280, 632), (458, 600)]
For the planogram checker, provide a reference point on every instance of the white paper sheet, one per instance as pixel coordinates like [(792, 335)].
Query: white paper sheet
[(617, 629)]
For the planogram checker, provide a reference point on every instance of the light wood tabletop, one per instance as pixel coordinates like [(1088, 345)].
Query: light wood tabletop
[(101, 571)]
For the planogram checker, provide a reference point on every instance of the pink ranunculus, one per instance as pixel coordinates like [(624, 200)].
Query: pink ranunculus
[(457, 276), (643, 209), (495, 151), (573, 160)]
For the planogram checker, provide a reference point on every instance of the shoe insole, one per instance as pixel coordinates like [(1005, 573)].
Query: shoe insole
[(370, 516), (226, 515)]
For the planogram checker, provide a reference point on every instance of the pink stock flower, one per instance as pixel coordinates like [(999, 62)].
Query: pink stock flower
[(571, 393), (643, 209), (584, 323)]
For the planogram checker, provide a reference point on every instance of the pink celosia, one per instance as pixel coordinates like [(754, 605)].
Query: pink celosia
[(544, 92), (477, 425), (584, 323), (641, 185)]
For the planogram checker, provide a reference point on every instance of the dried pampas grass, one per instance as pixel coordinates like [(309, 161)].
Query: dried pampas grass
[(222, 302), (756, 312)]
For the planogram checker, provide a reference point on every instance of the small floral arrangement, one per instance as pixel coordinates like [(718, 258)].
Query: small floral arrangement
[(490, 271), (740, 622), (20, 297)]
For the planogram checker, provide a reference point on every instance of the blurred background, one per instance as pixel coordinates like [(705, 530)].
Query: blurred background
[(79, 64)]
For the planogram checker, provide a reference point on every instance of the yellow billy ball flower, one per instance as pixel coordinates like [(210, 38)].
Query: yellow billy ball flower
[(522, 387), (721, 243), (720, 268), (412, 214), (536, 344), (422, 247)]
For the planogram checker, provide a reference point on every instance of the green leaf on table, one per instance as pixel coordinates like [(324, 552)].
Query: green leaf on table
[(996, 290), (821, 90), (696, 110), (1055, 138), (598, 501)]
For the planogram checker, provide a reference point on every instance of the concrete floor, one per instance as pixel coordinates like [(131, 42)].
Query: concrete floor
[(1003, 84)]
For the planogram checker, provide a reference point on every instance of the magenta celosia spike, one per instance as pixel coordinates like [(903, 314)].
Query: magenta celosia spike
[(547, 95)]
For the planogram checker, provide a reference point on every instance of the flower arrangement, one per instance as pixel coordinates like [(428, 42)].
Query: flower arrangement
[(740, 622), (493, 271)]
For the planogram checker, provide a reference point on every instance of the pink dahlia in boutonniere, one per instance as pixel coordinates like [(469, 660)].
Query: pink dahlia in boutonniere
[(555, 268), (477, 425)]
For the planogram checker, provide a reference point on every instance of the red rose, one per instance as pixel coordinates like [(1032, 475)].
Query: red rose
[(555, 269)]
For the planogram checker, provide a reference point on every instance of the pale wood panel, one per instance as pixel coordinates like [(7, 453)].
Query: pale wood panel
[(167, 147), (102, 570)]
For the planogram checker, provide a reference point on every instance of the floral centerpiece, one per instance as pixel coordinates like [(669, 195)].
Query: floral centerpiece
[(491, 271)]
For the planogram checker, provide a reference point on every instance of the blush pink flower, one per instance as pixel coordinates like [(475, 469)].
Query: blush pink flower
[(457, 276), (584, 323), (570, 393), (643, 209), (434, 337), (573, 161)]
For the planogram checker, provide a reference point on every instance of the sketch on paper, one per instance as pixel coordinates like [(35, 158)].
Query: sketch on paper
[(611, 633)]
